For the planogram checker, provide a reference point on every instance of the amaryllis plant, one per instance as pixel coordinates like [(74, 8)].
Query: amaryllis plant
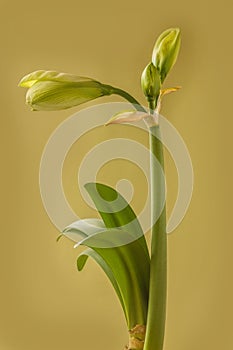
[(116, 241)]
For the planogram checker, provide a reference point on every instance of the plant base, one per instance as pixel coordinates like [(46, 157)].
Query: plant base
[(136, 338)]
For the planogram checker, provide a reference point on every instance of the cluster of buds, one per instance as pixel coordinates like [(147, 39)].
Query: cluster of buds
[(49, 90), (164, 56)]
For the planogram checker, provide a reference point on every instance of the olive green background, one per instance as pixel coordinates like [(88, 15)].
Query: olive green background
[(45, 303)]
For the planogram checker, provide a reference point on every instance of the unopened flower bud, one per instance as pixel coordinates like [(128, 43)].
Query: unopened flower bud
[(166, 50), (150, 82), (49, 90)]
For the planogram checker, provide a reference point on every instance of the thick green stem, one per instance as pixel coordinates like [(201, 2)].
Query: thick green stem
[(158, 271), (155, 327)]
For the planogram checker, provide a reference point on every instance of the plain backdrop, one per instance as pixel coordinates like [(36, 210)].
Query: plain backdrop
[(45, 302)]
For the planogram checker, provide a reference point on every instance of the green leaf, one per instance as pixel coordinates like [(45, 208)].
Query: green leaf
[(81, 261), (126, 265), (83, 228), (129, 265), (115, 211)]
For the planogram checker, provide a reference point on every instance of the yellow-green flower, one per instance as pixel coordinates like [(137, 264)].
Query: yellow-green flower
[(166, 50), (49, 90)]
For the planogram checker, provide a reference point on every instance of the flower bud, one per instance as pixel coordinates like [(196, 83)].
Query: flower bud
[(150, 82), (166, 50), (49, 90)]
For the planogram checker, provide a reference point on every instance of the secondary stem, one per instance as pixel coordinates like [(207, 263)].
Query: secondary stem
[(127, 96)]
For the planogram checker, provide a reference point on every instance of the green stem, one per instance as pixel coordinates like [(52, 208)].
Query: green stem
[(155, 327), (158, 271), (127, 96)]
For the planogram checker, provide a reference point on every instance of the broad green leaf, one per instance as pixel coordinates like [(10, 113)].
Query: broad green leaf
[(83, 228), (115, 211), (81, 261), (129, 265), (88, 227)]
